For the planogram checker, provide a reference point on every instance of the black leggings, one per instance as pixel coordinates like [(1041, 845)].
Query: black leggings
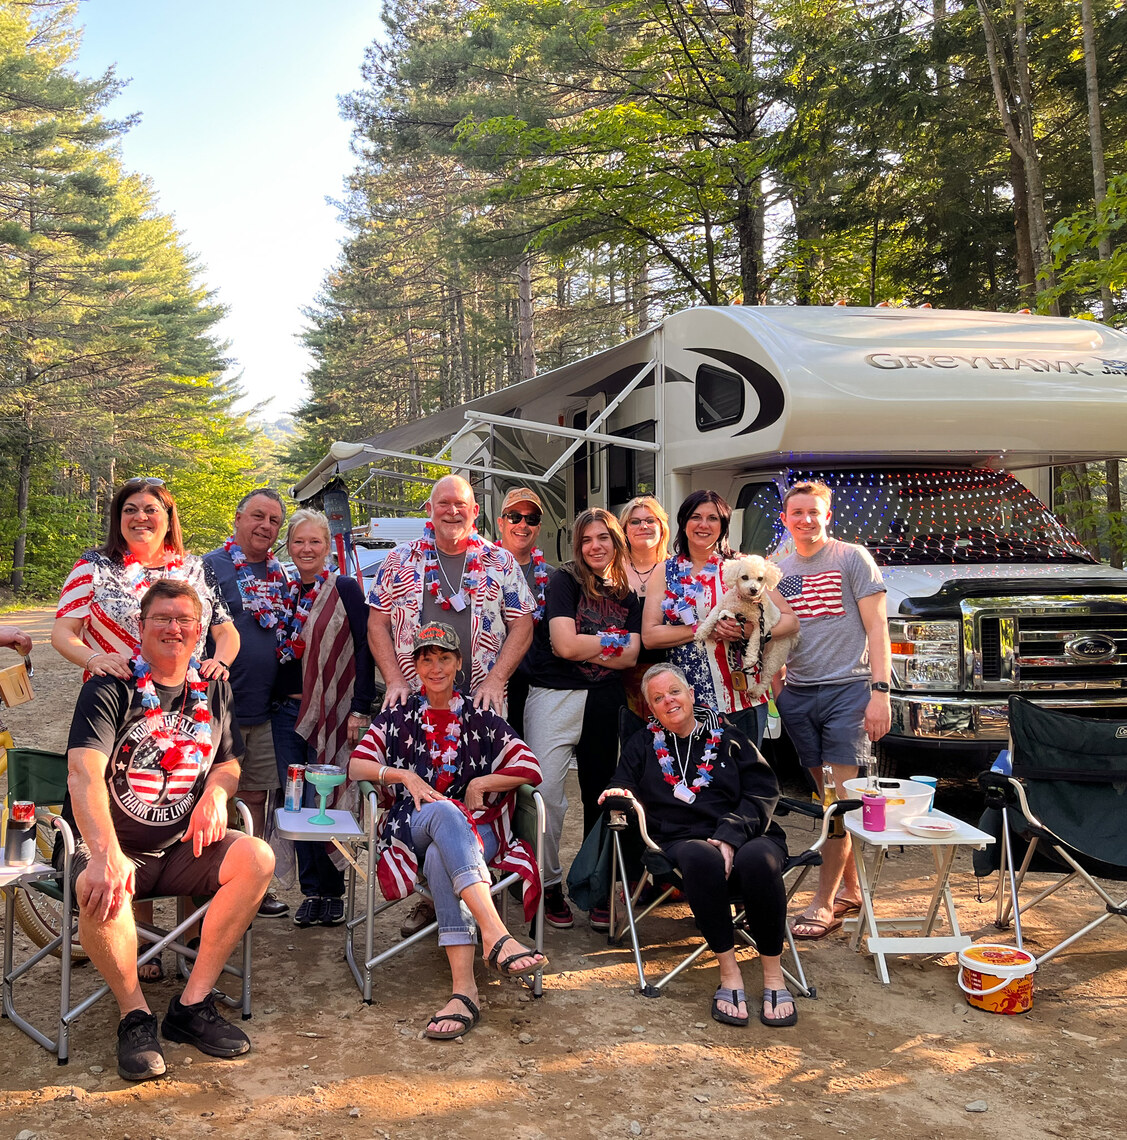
[(757, 878), (596, 754)]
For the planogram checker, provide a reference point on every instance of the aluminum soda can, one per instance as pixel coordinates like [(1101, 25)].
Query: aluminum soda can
[(19, 843), (295, 786)]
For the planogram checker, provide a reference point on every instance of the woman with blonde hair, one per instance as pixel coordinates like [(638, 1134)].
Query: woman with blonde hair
[(590, 635), (646, 526)]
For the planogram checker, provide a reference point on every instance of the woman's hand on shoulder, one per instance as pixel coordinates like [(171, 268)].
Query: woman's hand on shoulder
[(110, 665), (212, 669)]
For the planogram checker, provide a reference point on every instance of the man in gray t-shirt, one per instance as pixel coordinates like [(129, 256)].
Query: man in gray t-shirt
[(835, 699)]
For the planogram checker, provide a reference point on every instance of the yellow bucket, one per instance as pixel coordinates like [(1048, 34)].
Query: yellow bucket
[(996, 978)]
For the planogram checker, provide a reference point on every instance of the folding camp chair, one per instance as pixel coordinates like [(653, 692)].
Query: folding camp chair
[(529, 823), (1067, 799), (658, 872), (42, 778)]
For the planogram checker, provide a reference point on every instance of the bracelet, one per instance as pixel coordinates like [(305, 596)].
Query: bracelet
[(97, 653), (379, 774)]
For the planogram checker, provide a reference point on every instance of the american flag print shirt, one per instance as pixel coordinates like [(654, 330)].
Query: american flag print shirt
[(814, 595)]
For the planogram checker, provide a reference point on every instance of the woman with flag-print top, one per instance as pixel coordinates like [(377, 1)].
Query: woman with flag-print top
[(324, 691), (689, 588)]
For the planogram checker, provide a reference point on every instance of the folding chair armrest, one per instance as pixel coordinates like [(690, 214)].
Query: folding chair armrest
[(629, 803), (996, 786), (244, 816), (786, 805)]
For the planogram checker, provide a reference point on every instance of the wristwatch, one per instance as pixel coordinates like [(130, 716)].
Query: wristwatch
[(880, 687)]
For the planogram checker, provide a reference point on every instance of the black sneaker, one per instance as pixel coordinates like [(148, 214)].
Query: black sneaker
[(202, 1026), (272, 906), (556, 911), (331, 912), (139, 1055), (309, 913)]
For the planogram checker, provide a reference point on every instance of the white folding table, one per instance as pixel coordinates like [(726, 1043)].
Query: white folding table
[(870, 849)]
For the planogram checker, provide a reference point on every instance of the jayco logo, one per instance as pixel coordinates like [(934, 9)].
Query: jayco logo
[(1121, 732)]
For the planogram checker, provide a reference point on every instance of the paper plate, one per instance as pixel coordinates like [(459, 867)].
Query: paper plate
[(928, 828)]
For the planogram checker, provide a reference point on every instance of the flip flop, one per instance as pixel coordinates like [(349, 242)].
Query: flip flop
[(154, 971), (467, 1023), (777, 998), (503, 965), (820, 928), (732, 997), (843, 908)]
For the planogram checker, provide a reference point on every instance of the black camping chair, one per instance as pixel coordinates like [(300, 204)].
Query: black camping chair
[(659, 873), (1066, 799)]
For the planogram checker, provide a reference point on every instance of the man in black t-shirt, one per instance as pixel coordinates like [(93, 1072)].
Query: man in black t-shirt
[(148, 792)]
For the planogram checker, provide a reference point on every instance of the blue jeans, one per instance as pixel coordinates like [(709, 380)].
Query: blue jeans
[(316, 872), (452, 861)]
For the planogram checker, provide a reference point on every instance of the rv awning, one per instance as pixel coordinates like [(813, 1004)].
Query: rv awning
[(442, 425)]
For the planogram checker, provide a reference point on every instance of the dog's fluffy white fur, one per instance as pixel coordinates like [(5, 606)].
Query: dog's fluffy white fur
[(746, 581)]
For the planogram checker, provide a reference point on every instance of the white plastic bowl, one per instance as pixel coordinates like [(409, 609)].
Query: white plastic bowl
[(903, 798)]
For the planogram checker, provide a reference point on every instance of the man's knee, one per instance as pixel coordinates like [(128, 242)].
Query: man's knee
[(249, 859)]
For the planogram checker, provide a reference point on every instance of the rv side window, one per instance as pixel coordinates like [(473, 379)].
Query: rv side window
[(631, 473), (762, 529), (719, 398)]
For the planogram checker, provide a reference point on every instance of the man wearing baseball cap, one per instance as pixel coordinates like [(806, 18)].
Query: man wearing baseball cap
[(519, 528)]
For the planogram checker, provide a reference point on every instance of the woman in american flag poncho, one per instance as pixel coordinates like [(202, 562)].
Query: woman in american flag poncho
[(448, 775)]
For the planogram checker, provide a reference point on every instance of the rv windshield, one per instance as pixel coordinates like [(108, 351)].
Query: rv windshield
[(905, 517)]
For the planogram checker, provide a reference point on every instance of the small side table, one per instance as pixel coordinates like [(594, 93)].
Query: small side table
[(869, 851), (295, 825)]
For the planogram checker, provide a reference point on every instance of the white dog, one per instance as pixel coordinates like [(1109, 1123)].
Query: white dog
[(746, 582)]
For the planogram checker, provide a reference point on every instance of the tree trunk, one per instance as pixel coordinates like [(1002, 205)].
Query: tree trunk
[(1115, 528), (1085, 523), (23, 493), (1026, 274), (524, 318), (1095, 136)]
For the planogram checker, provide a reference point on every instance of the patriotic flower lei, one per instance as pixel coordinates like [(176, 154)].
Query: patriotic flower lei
[(135, 578), (682, 594), (263, 597), (471, 576), (540, 575), (442, 756), (177, 747), (704, 768), (291, 645), (614, 641)]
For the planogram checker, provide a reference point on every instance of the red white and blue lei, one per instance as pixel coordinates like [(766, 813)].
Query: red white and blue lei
[(137, 581), (613, 641), (685, 589), (265, 597), (443, 755), (176, 748), (472, 575), (291, 644), (704, 768), (540, 576)]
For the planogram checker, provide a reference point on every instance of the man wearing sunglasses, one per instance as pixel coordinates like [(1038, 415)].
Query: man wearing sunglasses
[(519, 528)]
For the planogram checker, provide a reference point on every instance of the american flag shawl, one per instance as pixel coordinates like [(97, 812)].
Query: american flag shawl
[(502, 597), (487, 746)]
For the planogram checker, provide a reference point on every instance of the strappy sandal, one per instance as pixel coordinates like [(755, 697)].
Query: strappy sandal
[(732, 997), (467, 1023), (151, 971), (777, 998), (504, 965)]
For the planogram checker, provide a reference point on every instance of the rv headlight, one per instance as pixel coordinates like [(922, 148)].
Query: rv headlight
[(925, 654)]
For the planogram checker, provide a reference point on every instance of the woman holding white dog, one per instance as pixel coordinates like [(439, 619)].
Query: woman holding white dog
[(692, 586)]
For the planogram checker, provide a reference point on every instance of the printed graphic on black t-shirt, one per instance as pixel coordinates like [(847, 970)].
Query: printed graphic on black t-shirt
[(151, 785), (594, 617)]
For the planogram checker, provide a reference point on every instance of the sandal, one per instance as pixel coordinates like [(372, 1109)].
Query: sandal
[(504, 965), (843, 907), (777, 998), (467, 1023), (815, 928), (732, 997), (152, 970)]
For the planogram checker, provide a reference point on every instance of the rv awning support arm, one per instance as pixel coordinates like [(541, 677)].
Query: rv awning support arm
[(453, 464)]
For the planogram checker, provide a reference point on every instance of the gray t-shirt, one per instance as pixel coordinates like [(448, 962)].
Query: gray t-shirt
[(450, 570), (823, 590)]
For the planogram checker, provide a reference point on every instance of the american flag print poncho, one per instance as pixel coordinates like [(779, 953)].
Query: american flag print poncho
[(487, 745)]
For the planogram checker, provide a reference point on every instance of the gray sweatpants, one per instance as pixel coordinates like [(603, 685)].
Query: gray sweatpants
[(553, 720)]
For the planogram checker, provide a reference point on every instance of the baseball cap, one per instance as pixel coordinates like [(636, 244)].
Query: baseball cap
[(437, 634), (522, 495)]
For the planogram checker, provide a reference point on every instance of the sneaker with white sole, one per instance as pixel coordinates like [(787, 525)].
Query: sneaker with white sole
[(556, 911)]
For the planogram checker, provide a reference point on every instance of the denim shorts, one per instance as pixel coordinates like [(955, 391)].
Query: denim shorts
[(826, 723)]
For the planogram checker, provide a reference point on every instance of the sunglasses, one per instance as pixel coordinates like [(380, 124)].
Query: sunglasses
[(143, 481), (532, 518)]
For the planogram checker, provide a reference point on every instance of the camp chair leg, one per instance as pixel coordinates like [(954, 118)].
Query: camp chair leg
[(643, 987)]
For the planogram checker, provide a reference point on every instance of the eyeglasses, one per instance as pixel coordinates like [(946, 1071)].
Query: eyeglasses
[(532, 518), (143, 481), (149, 512), (162, 622), (639, 523)]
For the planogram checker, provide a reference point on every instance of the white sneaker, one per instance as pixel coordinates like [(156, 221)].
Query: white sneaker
[(420, 915)]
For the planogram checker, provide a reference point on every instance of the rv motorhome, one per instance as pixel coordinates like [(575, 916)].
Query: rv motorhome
[(934, 429)]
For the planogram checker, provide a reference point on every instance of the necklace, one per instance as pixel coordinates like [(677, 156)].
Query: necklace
[(644, 577), (291, 645), (176, 748), (442, 755), (471, 572), (263, 597), (136, 575), (704, 768), (686, 588)]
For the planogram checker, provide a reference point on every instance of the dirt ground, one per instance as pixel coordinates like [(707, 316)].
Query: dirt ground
[(593, 1057)]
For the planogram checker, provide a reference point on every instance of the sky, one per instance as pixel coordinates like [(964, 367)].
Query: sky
[(242, 138)]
